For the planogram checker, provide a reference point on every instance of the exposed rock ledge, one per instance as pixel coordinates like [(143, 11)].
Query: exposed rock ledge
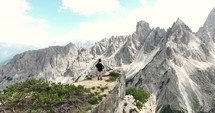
[(113, 103)]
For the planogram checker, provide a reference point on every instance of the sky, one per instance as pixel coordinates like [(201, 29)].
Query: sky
[(43, 23)]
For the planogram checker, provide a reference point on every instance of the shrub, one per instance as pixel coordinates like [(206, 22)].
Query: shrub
[(104, 95), (133, 111), (138, 94), (37, 95), (93, 88), (113, 76), (103, 88), (100, 97), (93, 101)]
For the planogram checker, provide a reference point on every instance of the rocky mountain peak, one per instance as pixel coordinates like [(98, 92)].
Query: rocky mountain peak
[(179, 24), (70, 45), (207, 32), (142, 25), (210, 22), (179, 33), (179, 21), (142, 31)]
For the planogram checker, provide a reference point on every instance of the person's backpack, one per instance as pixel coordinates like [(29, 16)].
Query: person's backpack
[(99, 66)]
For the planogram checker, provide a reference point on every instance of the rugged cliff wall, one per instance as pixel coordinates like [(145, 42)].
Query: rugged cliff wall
[(111, 104)]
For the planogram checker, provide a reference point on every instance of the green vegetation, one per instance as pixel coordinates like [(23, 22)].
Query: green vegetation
[(113, 76), (104, 95), (94, 100), (103, 88), (39, 96), (93, 88), (138, 94), (133, 111), (139, 104), (141, 96), (167, 109), (196, 105)]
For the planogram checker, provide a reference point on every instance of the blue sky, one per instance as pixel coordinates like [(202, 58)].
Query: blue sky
[(59, 21), (44, 23)]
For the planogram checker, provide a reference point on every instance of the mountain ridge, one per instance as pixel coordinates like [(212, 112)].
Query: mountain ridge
[(176, 66), (176, 71)]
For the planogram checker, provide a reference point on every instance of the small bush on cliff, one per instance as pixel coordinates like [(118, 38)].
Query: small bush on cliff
[(141, 96), (103, 88), (113, 76), (138, 94)]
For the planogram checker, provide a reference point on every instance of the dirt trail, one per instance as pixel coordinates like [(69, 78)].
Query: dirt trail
[(94, 82)]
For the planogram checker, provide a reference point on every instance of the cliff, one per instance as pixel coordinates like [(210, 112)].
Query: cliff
[(113, 102)]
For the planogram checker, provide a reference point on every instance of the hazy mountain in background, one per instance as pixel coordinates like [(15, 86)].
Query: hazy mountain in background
[(176, 66), (84, 44), (7, 51)]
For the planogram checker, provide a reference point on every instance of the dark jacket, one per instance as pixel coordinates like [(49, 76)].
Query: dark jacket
[(99, 66)]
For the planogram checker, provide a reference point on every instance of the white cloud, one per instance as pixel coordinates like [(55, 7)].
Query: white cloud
[(164, 12), (90, 7), (95, 31), (16, 26)]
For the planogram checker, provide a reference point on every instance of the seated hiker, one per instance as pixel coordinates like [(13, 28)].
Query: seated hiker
[(100, 69)]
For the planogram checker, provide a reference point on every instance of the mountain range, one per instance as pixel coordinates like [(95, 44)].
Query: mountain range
[(177, 66)]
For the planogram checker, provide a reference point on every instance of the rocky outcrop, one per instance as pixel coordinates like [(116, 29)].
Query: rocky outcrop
[(111, 104), (207, 32)]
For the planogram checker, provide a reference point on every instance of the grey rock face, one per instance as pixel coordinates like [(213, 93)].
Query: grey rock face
[(112, 103), (207, 32), (177, 65), (68, 63), (181, 74), (47, 63)]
